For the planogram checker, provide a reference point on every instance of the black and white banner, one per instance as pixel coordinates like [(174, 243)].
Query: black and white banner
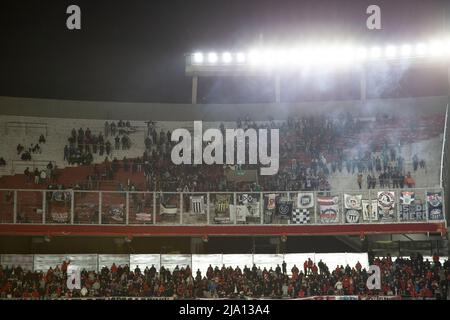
[(352, 201), (386, 205), (301, 216), (305, 200), (284, 209), (434, 205), (246, 198), (62, 196), (197, 204), (369, 210), (117, 213)]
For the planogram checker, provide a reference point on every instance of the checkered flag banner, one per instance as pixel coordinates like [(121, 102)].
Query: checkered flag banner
[(300, 216)]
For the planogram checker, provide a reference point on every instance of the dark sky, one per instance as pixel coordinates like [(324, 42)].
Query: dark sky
[(134, 50)]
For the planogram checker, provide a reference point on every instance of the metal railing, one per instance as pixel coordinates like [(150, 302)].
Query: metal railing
[(79, 207)]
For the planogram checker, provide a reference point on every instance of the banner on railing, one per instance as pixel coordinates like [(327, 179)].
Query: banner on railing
[(369, 209), (434, 202), (329, 209), (305, 200), (271, 201), (197, 204), (241, 212), (386, 205), (284, 209), (411, 208), (222, 203), (301, 216)]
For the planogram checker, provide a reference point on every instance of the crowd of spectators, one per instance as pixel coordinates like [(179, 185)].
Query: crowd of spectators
[(34, 148), (43, 176), (412, 277), (311, 150)]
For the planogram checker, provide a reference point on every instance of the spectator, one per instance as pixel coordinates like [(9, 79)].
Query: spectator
[(359, 180), (2, 162), (42, 139)]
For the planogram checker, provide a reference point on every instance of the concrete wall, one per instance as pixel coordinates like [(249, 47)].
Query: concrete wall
[(211, 112)]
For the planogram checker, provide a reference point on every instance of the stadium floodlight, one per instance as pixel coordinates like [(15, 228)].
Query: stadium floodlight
[(240, 57), (268, 57), (375, 53), (226, 57), (436, 48), (390, 52), (361, 54), (406, 50), (324, 54), (254, 57), (280, 57), (421, 49), (212, 57), (198, 57), (346, 54)]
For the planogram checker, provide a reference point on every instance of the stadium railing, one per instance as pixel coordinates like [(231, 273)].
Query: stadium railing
[(373, 206)]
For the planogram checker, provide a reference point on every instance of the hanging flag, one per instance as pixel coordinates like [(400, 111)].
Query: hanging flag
[(352, 201), (284, 209), (301, 216), (240, 212), (253, 209), (305, 200), (434, 204), (61, 196), (271, 201), (370, 210), (407, 197), (352, 216), (246, 198), (168, 209), (116, 212), (222, 203), (197, 204), (407, 206), (329, 209), (146, 217), (60, 217), (386, 204)]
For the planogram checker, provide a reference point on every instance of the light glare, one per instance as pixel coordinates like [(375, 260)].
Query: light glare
[(198, 57), (391, 51), (212, 57), (226, 57)]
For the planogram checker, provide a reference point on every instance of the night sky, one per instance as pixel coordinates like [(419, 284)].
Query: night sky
[(134, 50)]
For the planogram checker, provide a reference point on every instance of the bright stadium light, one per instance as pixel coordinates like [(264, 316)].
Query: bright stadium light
[(198, 57), (226, 57), (375, 53), (436, 48), (447, 46), (406, 50), (280, 57), (268, 57), (240, 57), (361, 54), (324, 54), (390, 52), (212, 57), (421, 49), (254, 57)]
